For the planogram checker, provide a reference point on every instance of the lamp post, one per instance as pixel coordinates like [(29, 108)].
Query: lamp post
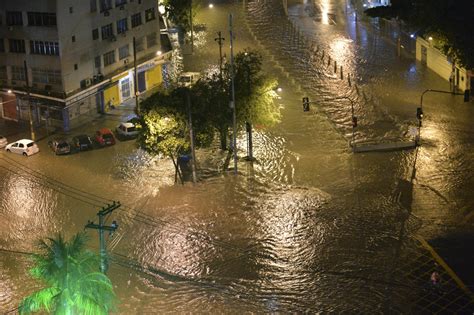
[(232, 102), (30, 114)]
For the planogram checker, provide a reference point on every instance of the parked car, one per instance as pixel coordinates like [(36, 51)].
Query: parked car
[(127, 129), (60, 146), (24, 146), (3, 142), (187, 79), (105, 137), (82, 142)]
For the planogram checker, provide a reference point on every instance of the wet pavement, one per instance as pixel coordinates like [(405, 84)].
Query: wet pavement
[(309, 227)]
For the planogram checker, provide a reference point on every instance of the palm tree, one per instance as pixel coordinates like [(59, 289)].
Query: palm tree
[(74, 285)]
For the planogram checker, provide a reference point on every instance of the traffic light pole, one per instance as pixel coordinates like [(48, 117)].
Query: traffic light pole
[(101, 227), (419, 111)]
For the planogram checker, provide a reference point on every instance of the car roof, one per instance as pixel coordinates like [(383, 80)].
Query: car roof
[(127, 124), (105, 130), (25, 141)]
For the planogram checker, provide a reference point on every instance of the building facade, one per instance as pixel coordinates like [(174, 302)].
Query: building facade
[(458, 77), (76, 58)]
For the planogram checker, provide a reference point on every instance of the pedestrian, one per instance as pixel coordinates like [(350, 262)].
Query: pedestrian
[(435, 278)]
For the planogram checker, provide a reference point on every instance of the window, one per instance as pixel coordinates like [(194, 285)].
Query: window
[(14, 18), (41, 19), (3, 73), (18, 73), (136, 19), (97, 62), (151, 40), (109, 58), (71, 10), (75, 66), (139, 44), (122, 26), (38, 47), (105, 5), (120, 2), (93, 5), (46, 76), (73, 38), (123, 52), (17, 45), (150, 14), (95, 34), (107, 31), (2, 45)]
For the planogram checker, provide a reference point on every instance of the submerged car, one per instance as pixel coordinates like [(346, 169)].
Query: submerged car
[(60, 146), (127, 129), (25, 147), (82, 142), (3, 142), (105, 137)]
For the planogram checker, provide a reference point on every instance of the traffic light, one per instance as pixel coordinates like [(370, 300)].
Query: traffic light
[(419, 113), (466, 95), (305, 103), (354, 121)]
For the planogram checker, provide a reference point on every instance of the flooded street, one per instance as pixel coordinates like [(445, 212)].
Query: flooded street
[(310, 226)]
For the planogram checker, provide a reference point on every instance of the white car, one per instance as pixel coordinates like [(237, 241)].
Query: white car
[(187, 79), (23, 146), (3, 142), (127, 129)]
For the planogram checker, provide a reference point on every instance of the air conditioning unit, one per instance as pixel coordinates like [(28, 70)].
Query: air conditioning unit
[(10, 28), (125, 61), (106, 13), (88, 82)]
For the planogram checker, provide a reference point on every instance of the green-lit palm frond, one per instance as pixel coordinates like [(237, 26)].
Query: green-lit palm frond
[(42, 299)]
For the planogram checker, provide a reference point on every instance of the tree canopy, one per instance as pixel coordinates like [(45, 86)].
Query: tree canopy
[(179, 12), (449, 22), (73, 283)]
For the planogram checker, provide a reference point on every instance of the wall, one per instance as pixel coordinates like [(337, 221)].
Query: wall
[(440, 64)]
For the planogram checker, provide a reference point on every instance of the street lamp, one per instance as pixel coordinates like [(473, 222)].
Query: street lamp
[(232, 102)]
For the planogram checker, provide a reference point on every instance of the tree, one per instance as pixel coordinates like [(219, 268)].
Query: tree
[(165, 129), (255, 92), (74, 284), (179, 12)]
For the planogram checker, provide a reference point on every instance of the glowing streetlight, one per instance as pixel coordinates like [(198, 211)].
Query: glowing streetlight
[(158, 53), (211, 5), (9, 91), (279, 89), (430, 38)]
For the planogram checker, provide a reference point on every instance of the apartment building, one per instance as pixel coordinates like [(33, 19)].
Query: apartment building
[(76, 58)]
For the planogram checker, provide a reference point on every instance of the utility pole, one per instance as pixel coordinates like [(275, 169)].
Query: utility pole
[(192, 27), (232, 102), (135, 77), (220, 40), (191, 134), (101, 227), (30, 114)]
